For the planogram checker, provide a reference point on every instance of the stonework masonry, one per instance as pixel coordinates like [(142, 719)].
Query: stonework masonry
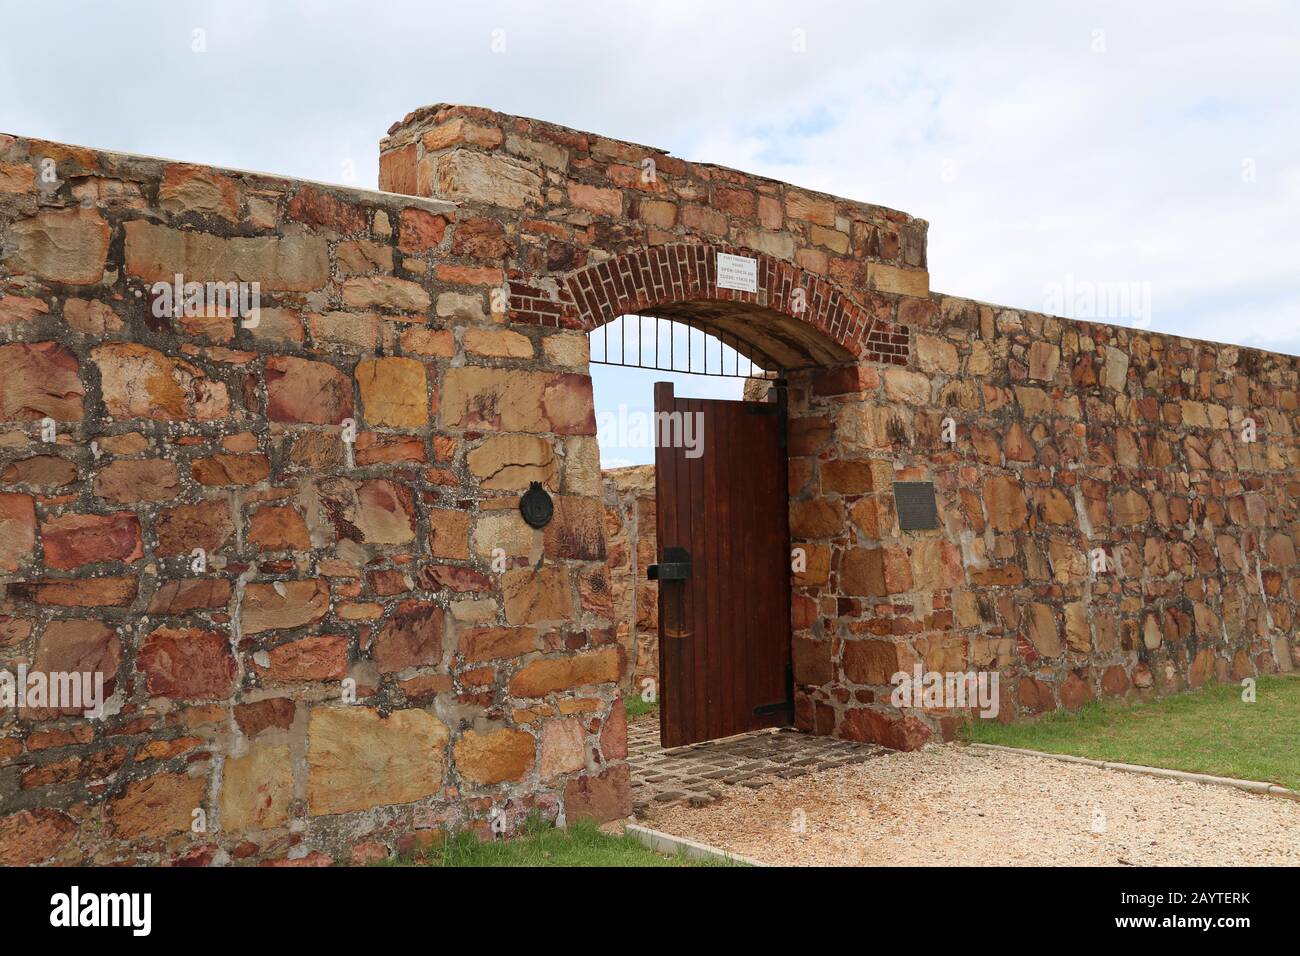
[(631, 549), (293, 548)]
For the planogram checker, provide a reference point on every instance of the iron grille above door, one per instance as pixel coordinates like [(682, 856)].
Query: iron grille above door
[(671, 345)]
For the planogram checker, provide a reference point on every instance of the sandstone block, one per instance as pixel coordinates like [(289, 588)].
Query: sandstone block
[(300, 390), (486, 178), (912, 388), (374, 511), (394, 392), (603, 798), (357, 759), (187, 189), (419, 230), (518, 401), (140, 382), (320, 657), (411, 637), (74, 540), (256, 790), (540, 594), (282, 605), (130, 481), (495, 756), (17, 530), (563, 748), (511, 462), (1044, 631), (42, 471), (897, 281), (155, 807), (33, 836), (289, 263), (1004, 503), (497, 643), (548, 675), (576, 530), (63, 245), (78, 646), (278, 528), (188, 664), (385, 292), (40, 380), (206, 524)]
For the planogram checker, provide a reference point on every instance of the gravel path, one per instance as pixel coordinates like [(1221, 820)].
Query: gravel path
[(955, 806)]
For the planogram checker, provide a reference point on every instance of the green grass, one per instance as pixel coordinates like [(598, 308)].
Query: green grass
[(1206, 731), (540, 844), (636, 707)]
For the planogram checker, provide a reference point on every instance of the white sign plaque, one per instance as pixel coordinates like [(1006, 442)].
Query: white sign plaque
[(737, 272)]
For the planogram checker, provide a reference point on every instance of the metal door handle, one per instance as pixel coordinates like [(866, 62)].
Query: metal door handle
[(676, 566)]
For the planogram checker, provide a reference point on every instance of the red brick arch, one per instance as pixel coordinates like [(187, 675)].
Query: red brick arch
[(660, 277)]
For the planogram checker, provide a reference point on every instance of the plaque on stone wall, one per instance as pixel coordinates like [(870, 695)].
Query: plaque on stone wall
[(536, 506), (737, 272), (916, 507)]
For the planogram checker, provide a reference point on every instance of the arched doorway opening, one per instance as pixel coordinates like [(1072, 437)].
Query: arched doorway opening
[(691, 422)]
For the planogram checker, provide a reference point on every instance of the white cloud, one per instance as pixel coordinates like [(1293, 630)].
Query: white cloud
[(1116, 166)]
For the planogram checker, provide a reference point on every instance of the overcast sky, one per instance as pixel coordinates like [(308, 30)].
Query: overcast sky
[(1145, 152)]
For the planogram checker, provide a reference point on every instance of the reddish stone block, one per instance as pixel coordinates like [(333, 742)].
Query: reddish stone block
[(316, 207), (411, 637), (275, 712), (603, 798), (419, 230), (873, 726), (40, 380), (74, 540), (34, 836), (17, 530), (300, 390), (188, 664)]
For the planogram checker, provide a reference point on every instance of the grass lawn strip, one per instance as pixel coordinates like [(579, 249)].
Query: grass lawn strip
[(582, 844), (1210, 731)]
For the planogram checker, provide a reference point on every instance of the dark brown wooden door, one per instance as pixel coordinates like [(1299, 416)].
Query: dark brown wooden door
[(724, 630)]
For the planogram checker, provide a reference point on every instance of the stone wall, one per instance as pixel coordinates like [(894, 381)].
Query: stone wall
[(1069, 437), (326, 644), (630, 534), (373, 647)]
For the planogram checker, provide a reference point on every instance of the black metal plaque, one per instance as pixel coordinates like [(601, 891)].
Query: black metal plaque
[(536, 506), (916, 506)]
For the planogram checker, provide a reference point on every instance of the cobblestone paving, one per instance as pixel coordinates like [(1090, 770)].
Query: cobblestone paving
[(696, 774)]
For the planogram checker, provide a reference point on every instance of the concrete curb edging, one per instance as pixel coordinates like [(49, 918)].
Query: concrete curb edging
[(1250, 786), (667, 843)]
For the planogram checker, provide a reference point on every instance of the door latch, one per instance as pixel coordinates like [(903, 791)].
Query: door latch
[(676, 566)]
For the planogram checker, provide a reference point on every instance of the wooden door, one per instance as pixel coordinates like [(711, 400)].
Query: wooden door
[(724, 550)]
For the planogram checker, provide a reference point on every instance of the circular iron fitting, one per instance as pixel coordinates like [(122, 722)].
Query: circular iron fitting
[(536, 506)]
